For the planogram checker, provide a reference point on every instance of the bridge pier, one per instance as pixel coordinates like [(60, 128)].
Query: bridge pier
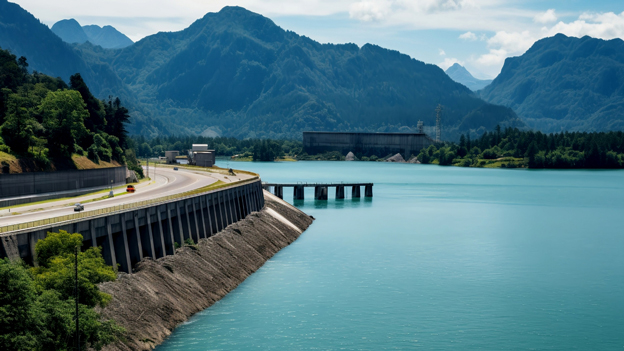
[(355, 191), (320, 193), (298, 192), (279, 191), (340, 192), (368, 191)]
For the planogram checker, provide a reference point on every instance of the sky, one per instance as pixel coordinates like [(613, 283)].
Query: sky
[(479, 34)]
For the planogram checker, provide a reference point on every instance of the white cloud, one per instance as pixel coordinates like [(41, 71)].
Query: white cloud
[(546, 17), (468, 36), (442, 52), (370, 11), (506, 44), (448, 62)]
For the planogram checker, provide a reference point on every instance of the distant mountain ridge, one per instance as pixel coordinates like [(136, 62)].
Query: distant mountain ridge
[(461, 75), (107, 37), (236, 73), (565, 83)]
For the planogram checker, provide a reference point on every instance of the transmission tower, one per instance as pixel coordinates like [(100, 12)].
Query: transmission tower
[(438, 123), (421, 127)]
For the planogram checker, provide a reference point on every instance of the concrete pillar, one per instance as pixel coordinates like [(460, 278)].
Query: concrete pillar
[(239, 202), (217, 211), (93, 234), (299, 192), (179, 219), (210, 217), (221, 212), (320, 192), (230, 195), (32, 242), (368, 190), (162, 233), (355, 191), (111, 243), (196, 220), (340, 192), (188, 220), (128, 263), (202, 201), (148, 220), (169, 219), (137, 233), (247, 201), (279, 191)]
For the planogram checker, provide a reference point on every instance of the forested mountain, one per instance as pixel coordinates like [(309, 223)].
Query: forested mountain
[(236, 73), (564, 83), (24, 35), (107, 37), (461, 75)]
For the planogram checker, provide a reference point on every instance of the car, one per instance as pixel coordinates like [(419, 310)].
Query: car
[(78, 207), (130, 189), (175, 168)]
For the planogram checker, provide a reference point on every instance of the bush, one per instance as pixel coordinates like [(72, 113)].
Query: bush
[(489, 154)]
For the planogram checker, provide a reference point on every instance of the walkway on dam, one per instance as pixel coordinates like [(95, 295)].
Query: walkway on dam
[(167, 182), (320, 189)]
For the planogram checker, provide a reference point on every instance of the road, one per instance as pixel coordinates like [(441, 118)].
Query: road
[(168, 182)]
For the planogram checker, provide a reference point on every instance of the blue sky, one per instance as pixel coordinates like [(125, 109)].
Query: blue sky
[(479, 34)]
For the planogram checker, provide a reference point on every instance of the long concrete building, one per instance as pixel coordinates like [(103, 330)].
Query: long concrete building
[(368, 144)]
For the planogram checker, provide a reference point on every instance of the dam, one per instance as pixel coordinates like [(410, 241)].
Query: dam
[(367, 144)]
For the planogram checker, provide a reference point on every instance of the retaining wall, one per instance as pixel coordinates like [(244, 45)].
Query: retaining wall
[(14, 186)]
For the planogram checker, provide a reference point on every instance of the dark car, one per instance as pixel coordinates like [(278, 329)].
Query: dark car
[(175, 168), (78, 207)]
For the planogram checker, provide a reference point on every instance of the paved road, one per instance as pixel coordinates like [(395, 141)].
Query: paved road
[(168, 182)]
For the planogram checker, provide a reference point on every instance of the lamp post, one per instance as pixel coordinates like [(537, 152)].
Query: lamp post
[(111, 191)]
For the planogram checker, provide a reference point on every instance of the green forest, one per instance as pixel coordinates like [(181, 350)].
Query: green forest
[(47, 121), (38, 304), (514, 148)]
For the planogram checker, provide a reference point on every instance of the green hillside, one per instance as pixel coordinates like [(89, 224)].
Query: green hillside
[(565, 84)]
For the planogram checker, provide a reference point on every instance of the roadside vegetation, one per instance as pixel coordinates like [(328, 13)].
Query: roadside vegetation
[(46, 124), (38, 304)]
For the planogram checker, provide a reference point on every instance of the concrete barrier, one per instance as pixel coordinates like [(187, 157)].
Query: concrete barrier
[(22, 188)]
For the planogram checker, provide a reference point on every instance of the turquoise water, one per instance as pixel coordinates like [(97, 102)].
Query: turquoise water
[(442, 258)]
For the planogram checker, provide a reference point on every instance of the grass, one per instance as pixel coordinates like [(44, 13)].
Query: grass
[(83, 162), (4, 157)]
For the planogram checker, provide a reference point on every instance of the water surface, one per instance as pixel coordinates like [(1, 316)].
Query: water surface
[(442, 258)]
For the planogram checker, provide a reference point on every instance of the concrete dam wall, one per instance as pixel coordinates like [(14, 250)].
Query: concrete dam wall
[(24, 184), (128, 236), (367, 144), (163, 293)]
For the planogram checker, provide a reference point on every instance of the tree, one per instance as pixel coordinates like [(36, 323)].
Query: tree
[(20, 318), (96, 121), (56, 271), (18, 130), (63, 114)]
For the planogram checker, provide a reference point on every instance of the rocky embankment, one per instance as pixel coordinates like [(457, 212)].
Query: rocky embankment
[(163, 293)]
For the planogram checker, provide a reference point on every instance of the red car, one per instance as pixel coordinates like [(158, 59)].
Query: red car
[(130, 189)]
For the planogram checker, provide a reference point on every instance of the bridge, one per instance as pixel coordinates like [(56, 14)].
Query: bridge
[(178, 206), (320, 189)]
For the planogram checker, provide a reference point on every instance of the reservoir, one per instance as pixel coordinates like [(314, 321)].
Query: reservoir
[(441, 258)]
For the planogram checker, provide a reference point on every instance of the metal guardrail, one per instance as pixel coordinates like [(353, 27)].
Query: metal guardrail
[(120, 208)]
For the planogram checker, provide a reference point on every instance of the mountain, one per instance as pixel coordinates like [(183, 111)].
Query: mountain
[(236, 73), (70, 31), (24, 35), (107, 37), (461, 75), (565, 83)]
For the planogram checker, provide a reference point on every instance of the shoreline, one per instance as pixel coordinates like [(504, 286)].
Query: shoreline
[(161, 294)]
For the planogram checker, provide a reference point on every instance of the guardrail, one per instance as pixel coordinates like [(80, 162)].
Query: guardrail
[(122, 208)]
